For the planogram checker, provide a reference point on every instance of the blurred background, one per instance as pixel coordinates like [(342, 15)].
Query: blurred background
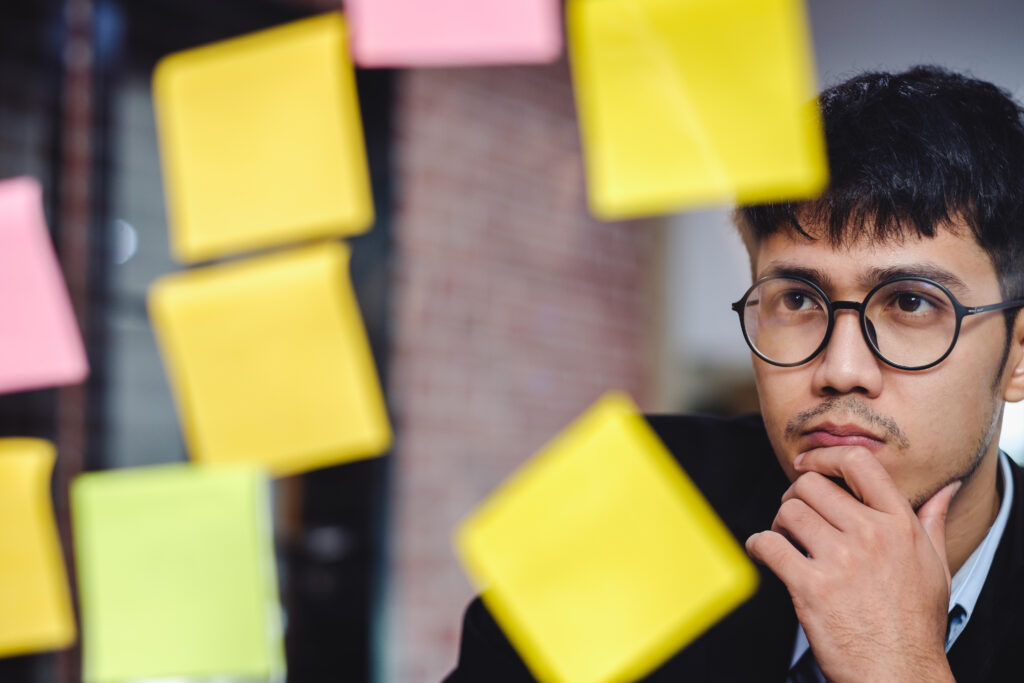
[(497, 309)]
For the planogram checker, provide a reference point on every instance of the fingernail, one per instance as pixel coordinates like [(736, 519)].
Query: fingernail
[(797, 460), (956, 486)]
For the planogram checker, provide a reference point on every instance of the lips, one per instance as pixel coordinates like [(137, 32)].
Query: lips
[(825, 435)]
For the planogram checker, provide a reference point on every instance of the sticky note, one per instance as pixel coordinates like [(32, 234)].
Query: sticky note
[(400, 33), (40, 345), (691, 102), (600, 558), (176, 573), (36, 610), (261, 142), (269, 362)]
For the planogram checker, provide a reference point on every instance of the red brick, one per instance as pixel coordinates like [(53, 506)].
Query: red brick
[(514, 310)]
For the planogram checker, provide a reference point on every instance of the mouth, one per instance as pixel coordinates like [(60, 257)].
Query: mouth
[(829, 434)]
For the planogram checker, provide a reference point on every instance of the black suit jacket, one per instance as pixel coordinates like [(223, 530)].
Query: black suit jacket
[(733, 463)]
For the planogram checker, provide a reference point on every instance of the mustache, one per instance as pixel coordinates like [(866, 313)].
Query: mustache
[(853, 406)]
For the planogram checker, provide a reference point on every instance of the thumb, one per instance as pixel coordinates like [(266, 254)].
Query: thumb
[(932, 516)]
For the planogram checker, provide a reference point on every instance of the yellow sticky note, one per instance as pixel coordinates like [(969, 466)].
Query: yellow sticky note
[(35, 605), (176, 574), (261, 140), (689, 102), (269, 362), (600, 558)]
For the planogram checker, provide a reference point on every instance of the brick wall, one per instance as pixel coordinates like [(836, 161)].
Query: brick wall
[(514, 311)]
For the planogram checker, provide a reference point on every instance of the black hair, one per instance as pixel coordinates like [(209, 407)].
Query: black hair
[(911, 153)]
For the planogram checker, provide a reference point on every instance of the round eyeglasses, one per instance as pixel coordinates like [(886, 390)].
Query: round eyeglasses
[(911, 323)]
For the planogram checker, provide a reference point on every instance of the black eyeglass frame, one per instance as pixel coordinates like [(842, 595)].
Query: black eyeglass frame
[(961, 312)]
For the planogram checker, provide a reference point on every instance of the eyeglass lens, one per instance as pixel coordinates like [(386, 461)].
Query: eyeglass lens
[(911, 323)]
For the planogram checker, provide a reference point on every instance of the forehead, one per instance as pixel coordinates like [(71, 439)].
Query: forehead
[(952, 257)]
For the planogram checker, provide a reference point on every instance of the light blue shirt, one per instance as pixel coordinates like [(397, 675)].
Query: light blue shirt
[(966, 585)]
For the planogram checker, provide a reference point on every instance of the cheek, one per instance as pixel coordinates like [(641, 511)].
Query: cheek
[(959, 397), (950, 412), (782, 394), (946, 416), (782, 391)]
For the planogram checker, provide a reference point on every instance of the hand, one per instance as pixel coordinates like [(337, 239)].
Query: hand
[(872, 590)]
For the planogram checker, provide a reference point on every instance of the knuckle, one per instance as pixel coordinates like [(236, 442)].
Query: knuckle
[(911, 529), (791, 507), (791, 511), (758, 547), (772, 546), (843, 556), (804, 483), (816, 586), (755, 544), (870, 536)]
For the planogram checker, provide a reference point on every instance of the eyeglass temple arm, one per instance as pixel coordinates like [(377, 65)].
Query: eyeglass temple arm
[(1002, 305)]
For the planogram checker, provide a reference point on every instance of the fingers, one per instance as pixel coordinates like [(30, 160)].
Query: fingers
[(830, 501), (932, 516), (858, 466), (804, 526), (772, 550)]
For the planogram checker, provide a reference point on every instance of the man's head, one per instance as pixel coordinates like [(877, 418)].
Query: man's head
[(927, 179)]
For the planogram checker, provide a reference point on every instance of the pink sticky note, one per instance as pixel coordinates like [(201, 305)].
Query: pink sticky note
[(40, 345), (396, 33)]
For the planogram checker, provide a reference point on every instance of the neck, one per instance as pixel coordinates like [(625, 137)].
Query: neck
[(972, 511)]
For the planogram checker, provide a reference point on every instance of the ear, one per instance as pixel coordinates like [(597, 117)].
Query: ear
[(1015, 363)]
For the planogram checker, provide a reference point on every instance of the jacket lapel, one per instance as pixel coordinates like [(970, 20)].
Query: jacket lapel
[(974, 655)]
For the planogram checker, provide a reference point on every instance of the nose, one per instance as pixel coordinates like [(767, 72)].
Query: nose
[(847, 365)]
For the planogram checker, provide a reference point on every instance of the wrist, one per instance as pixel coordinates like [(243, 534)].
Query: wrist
[(932, 668), (939, 672)]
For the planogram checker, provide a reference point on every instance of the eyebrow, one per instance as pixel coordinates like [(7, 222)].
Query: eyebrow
[(872, 277), (926, 270), (818, 277)]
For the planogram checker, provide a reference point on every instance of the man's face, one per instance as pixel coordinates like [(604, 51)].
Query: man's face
[(926, 427)]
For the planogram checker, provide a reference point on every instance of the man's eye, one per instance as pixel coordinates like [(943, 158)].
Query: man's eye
[(909, 302), (796, 301)]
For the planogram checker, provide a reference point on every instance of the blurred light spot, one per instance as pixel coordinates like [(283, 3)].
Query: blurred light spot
[(125, 241), (328, 544), (108, 31)]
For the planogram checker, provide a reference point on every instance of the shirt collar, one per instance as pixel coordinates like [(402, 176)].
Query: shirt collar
[(966, 585)]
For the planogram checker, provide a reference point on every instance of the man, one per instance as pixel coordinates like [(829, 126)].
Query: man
[(884, 326)]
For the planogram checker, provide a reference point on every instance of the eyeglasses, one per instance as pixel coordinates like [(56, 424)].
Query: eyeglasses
[(911, 323)]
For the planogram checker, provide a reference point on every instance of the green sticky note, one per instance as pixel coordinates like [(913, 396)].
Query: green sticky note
[(694, 102), (176, 573), (600, 558)]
